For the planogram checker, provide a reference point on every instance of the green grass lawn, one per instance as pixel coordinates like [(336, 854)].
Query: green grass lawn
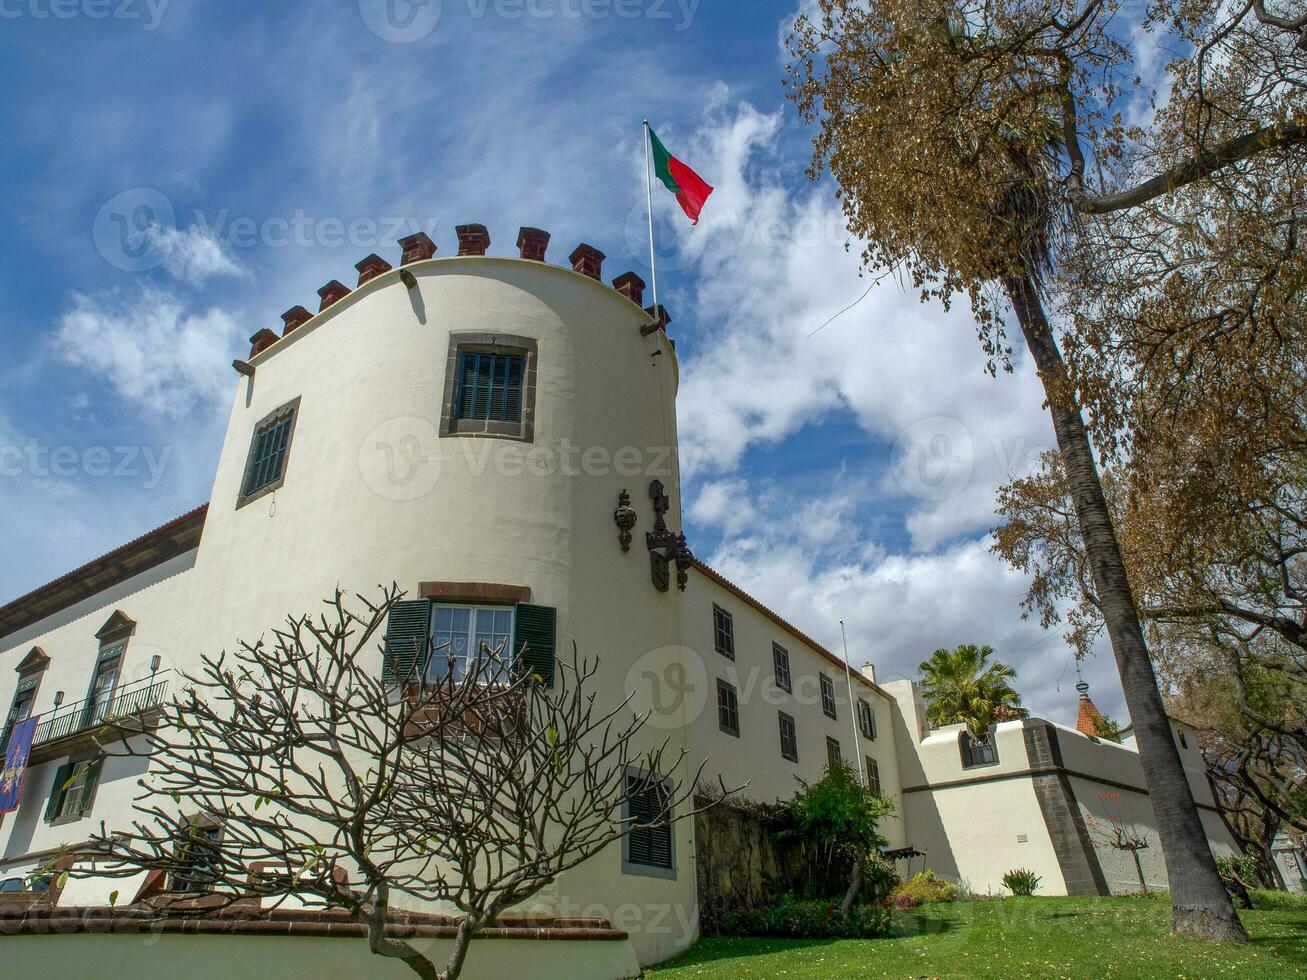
[(1021, 937)]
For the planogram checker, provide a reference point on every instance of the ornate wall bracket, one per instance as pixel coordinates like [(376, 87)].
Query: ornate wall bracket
[(624, 517), (665, 546)]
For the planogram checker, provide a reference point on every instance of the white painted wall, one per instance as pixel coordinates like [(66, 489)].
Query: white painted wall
[(755, 756), (170, 956)]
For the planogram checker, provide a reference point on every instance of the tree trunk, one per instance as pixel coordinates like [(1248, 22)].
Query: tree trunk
[(855, 885), (459, 954), (1200, 905)]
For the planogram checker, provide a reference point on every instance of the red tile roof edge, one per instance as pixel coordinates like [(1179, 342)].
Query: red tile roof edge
[(49, 588), (786, 625)]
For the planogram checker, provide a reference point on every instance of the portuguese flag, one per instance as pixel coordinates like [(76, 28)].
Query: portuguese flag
[(690, 189)]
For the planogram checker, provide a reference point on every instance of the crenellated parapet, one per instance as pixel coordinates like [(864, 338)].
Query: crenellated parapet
[(473, 242)]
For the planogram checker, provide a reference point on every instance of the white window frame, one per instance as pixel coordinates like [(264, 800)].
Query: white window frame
[(440, 654)]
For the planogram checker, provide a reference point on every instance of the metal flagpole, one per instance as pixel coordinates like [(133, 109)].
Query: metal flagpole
[(653, 255), (853, 711)]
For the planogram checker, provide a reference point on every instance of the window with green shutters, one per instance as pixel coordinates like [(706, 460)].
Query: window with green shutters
[(648, 849), (536, 635), (866, 719), (73, 789), (407, 645), (425, 640)]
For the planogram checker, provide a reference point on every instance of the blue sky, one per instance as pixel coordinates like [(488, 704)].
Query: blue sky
[(265, 148)]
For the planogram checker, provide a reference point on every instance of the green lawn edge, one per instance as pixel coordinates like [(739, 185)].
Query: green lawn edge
[(1020, 937)]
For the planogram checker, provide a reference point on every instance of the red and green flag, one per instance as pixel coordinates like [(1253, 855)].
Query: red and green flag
[(690, 189)]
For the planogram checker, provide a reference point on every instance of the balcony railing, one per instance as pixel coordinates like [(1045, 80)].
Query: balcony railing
[(123, 702)]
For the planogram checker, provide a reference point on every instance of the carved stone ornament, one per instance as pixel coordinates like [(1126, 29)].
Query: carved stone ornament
[(624, 517), (665, 546)]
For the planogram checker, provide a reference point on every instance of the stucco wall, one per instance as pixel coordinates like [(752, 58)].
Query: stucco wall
[(167, 957), (373, 494), (754, 757)]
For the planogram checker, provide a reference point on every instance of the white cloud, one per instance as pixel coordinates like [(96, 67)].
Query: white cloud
[(153, 353), (193, 255), (771, 266)]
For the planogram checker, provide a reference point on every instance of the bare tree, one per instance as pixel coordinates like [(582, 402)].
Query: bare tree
[(292, 768)]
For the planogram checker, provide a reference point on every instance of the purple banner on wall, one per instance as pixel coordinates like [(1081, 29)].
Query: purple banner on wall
[(15, 766)]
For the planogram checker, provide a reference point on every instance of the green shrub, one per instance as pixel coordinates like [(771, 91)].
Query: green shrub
[(788, 917), (921, 889), (1020, 881), (1242, 863)]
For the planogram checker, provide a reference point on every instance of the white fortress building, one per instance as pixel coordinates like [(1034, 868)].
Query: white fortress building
[(498, 436)]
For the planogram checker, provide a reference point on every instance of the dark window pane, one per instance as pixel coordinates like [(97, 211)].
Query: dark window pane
[(489, 387)]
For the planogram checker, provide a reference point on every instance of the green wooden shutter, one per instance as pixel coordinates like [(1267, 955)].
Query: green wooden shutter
[(408, 641), (534, 637), (57, 790), (89, 784)]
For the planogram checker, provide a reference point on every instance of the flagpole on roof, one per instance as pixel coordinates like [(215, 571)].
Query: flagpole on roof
[(653, 255)]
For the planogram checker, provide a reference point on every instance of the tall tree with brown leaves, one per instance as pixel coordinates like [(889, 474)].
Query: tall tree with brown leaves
[(971, 143)]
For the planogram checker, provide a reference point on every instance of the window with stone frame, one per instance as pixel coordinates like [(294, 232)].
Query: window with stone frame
[(266, 464), (490, 386)]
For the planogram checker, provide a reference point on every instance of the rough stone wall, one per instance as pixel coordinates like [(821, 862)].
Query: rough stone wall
[(739, 864)]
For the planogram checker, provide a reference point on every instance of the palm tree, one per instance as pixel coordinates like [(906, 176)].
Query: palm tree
[(962, 686)]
